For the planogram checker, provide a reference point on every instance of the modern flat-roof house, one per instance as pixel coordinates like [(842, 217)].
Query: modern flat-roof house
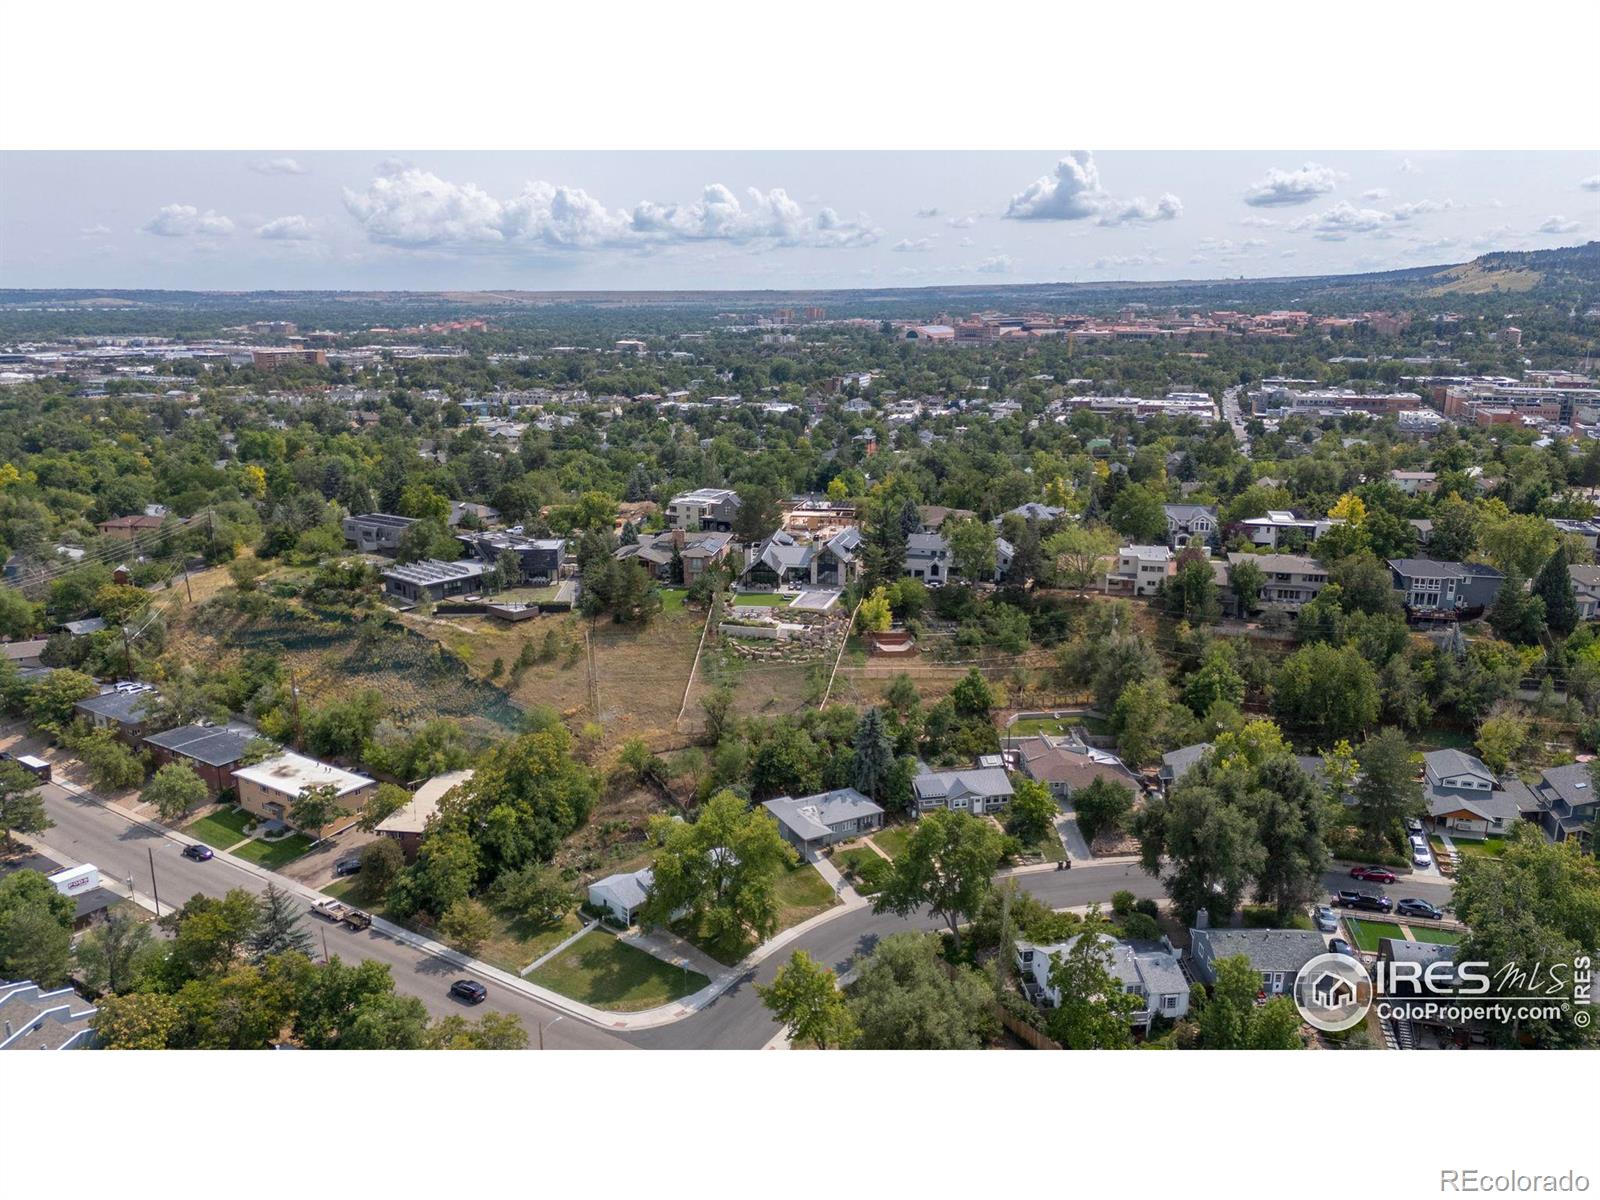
[(1281, 525), (128, 710), (433, 578), (1587, 532), (1065, 765), (269, 789), (783, 560), (33, 1019), (1186, 522), (376, 533), (703, 508), (541, 558), (1142, 569), (696, 551), (214, 751), (1277, 954), (1293, 580), (620, 896), (407, 825), (812, 822), (1149, 970), (981, 789), (1428, 586)]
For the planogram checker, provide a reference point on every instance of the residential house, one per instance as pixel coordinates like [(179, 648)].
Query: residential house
[(25, 653), (1428, 586), (1586, 584), (33, 1019), (621, 896), (1587, 532), (981, 789), (1142, 569), (407, 825), (812, 822), (783, 560), (214, 751), (694, 551), (1065, 765), (1465, 799), (84, 627), (1033, 513), (270, 788), (542, 559), (1175, 764), (928, 558), (127, 528), (1190, 522), (1149, 970), (1293, 580), (1276, 954), (1283, 525), (1565, 800), (434, 579), (129, 710), (818, 515), (376, 533), (466, 510), (933, 516), (703, 508), (1415, 482)]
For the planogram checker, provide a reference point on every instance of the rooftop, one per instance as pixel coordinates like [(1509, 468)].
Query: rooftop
[(424, 802), (291, 774)]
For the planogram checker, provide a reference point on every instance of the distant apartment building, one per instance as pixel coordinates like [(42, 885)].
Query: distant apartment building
[(271, 358), (1270, 401), (703, 509)]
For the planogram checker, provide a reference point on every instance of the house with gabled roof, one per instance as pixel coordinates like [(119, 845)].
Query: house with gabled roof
[(1188, 522), (620, 896), (811, 822), (1149, 970), (1464, 797), (982, 789), (784, 560), (1276, 954), (1566, 802)]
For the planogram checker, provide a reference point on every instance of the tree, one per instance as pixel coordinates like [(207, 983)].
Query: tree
[(112, 766), (35, 930), (1032, 811), (492, 1031), (1245, 580), (1102, 806), (1212, 844), (1388, 792), (972, 695), (466, 924), (389, 799), (972, 548), (1517, 615), (328, 999), (535, 893), (723, 868), (316, 807), (874, 614), (174, 790), (1215, 681), (1288, 809), (1192, 592), (1139, 513), (948, 866), (382, 860), (1078, 553), (21, 805), (110, 955), (210, 933), (19, 616), (1095, 1011), (1230, 1020), (1553, 585), (137, 1021), (906, 998), (1518, 544), (804, 996), (1501, 739), (278, 930), (1143, 720), (1455, 530), (874, 754), (1327, 692)]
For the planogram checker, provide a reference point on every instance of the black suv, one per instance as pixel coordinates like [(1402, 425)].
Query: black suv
[(1369, 901), (347, 866), (469, 990), (1419, 908)]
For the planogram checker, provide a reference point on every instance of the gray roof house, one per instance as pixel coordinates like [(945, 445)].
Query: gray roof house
[(1586, 583), (1464, 797), (376, 533), (621, 895), (1427, 585), (1175, 764), (1149, 970), (1566, 802), (433, 578), (812, 822), (1293, 580), (126, 709), (981, 789), (696, 551), (31, 1019), (788, 561), (1186, 521), (1277, 954)]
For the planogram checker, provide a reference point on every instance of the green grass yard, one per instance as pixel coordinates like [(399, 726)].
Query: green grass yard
[(892, 841), (1365, 934), (1440, 937), (760, 599), (601, 971), (1490, 847), (850, 864), (517, 942), (221, 829), (672, 599), (273, 855), (1056, 726)]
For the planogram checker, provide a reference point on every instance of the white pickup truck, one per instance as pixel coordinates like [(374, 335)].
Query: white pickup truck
[(341, 913)]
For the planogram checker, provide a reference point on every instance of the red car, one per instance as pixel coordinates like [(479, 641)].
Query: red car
[(1373, 874)]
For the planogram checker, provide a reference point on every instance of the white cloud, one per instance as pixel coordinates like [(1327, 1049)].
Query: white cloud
[(1559, 224), (1591, 184), (278, 166), (927, 212), (1339, 222), (965, 221), (287, 229), (1226, 247), (1073, 192), (1375, 194), (1407, 167), (408, 206), (1113, 261), (1000, 264), (1417, 208), (912, 245), (185, 220), (1292, 187), (90, 231), (1259, 223)]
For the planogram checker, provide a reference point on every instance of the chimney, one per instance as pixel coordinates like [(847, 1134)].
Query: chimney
[(677, 539), (1202, 919)]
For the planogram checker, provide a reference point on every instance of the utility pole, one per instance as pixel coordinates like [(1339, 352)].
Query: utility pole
[(155, 892), (294, 699), (127, 654), (211, 534), (324, 947), (189, 591)]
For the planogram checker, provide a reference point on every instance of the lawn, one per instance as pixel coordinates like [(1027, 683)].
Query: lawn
[(273, 855), (221, 829), (516, 942), (892, 841), (1056, 726), (850, 864), (345, 889), (672, 599), (601, 971), (1048, 848), (1490, 847), (1441, 937), (1365, 934), (1264, 916), (802, 893), (760, 599)]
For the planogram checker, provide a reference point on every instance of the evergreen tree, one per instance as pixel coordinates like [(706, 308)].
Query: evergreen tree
[(279, 930), (1553, 585), (874, 754)]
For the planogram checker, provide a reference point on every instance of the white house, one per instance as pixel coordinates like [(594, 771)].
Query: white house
[(1143, 569), (621, 895), (1149, 970)]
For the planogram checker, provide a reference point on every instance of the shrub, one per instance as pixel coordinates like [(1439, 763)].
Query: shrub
[(1141, 927), (1122, 901)]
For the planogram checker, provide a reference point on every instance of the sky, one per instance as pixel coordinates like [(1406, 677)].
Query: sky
[(721, 220)]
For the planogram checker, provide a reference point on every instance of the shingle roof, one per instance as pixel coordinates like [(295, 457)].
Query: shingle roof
[(215, 746), (976, 781), (628, 889), (1267, 949), (126, 708), (811, 817)]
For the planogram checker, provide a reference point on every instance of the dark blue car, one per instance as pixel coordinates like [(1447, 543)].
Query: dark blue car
[(198, 852)]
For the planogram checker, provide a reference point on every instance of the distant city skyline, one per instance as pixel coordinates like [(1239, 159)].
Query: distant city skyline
[(689, 220)]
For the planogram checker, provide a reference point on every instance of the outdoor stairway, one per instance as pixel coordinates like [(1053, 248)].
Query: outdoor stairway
[(1391, 1039)]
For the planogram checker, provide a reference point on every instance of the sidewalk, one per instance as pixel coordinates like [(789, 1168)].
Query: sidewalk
[(670, 948)]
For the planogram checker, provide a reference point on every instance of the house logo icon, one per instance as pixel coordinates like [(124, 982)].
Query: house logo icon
[(1333, 992)]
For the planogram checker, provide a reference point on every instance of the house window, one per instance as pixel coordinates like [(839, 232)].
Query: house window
[(1168, 1003)]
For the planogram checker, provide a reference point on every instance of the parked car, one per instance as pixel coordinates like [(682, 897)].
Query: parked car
[(1414, 826), (1325, 918), (347, 866), (1340, 946), (1412, 907), (198, 852), (1369, 901), (1421, 858), (469, 990), (1373, 874)]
